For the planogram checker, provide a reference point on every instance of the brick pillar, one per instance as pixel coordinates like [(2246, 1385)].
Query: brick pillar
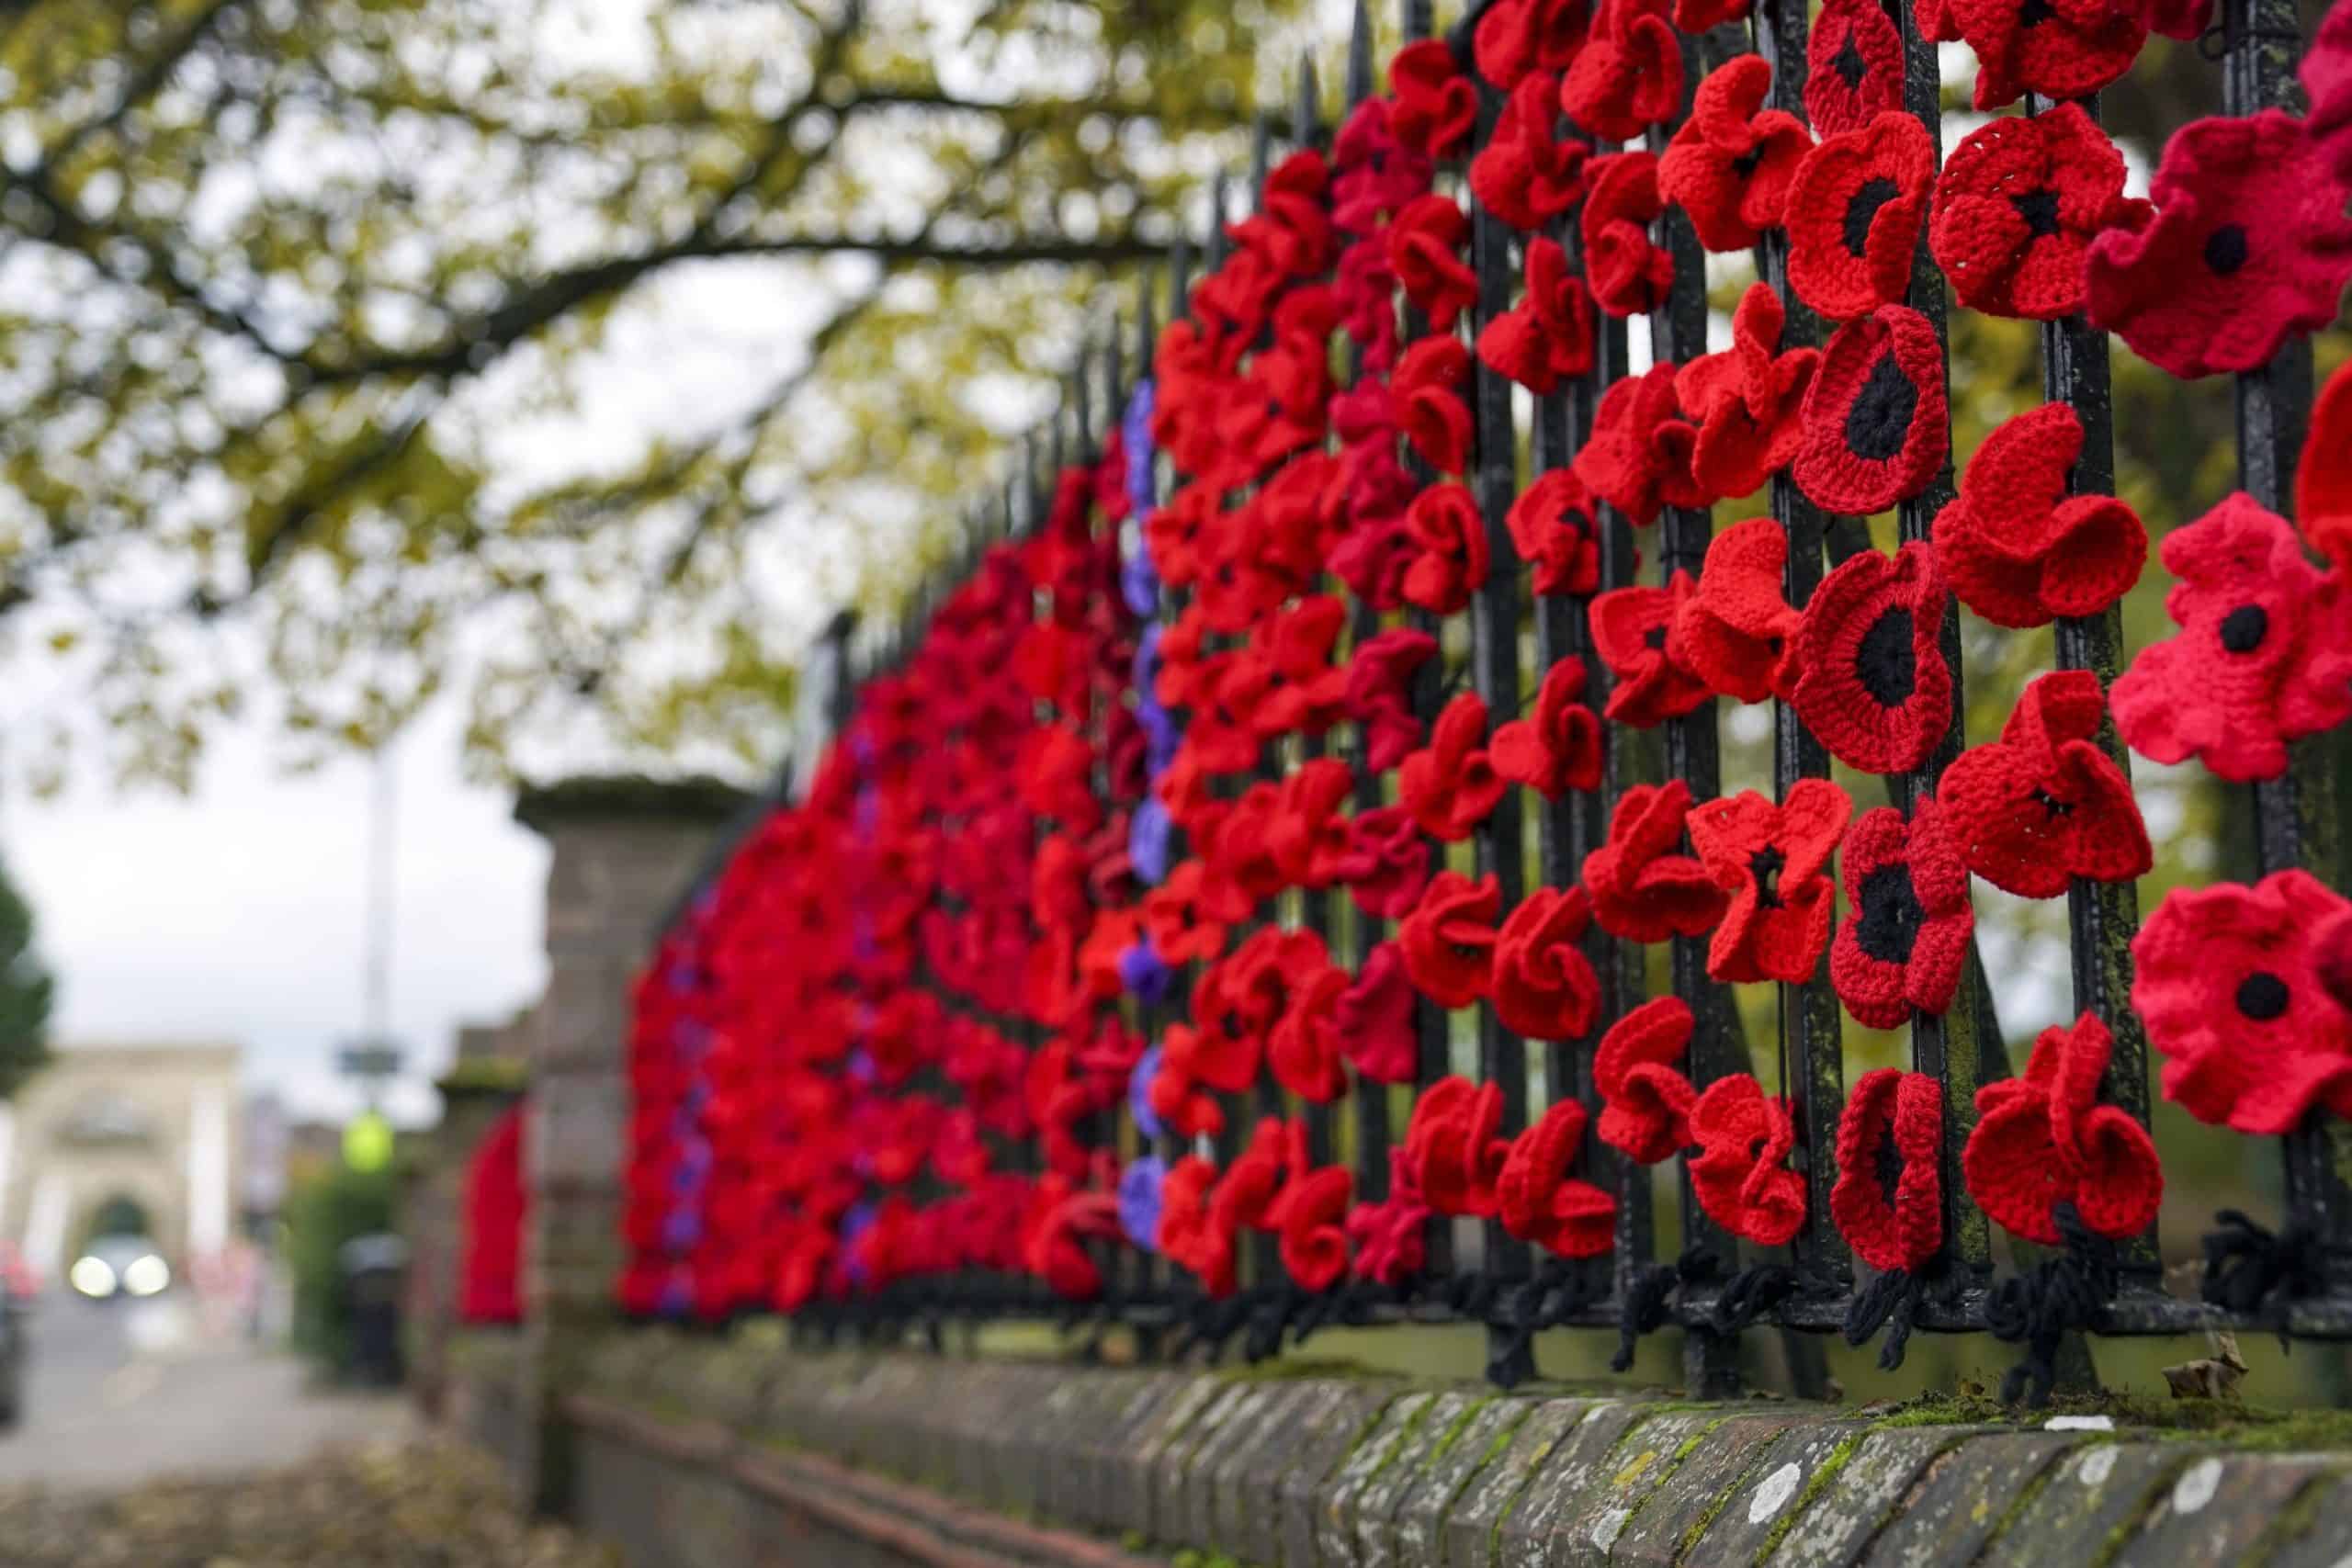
[(625, 849)]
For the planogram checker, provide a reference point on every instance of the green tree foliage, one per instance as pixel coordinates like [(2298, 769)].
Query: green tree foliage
[(313, 312), (322, 1213), (26, 993)]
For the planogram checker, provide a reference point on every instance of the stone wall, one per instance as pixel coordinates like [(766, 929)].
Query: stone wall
[(711, 1454)]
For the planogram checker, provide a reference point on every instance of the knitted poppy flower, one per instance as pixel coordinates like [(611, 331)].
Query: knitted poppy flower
[(1875, 424), (2016, 547), (1645, 1099), (1450, 785), (1432, 105), (1376, 1018), (1735, 633), (1641, 890), (1853, 66), (1628, 76), (2327, 83), (1452, 538), (1525, 174), (1515, 38), (2044, 804), (1908, 933), (1872, 681), (2250, 245), (1285, 681), (1639, 456), (1178, 1095), (1548, 334), (1390, 1236), (1551, 527), (1853, 213), (2017, 206), (1633, 630), (1739, 1174), (1307, 836), (2044, 1139), (1179, 926), (2068, 49), (1387, 861), (1888, 1199), (1190, 1233), (1303, 1050), (1310, 1216), (1730, 164), (2331, 953), (1449, 940), (1380, 676), (2264, 656), (1628, 273), (1557, 747), (1773, 861), (1427, 395), (1748, 399), (1425, 250), (2228, 981), (2324, 481), (1539, 1201), (1543, 985), (1453, 1146)]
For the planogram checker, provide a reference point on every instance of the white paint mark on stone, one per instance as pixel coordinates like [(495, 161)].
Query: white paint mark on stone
[(2195, 1486), (1772, 1494), (2079, 1423), (2097, 1466), (1608, 1526)]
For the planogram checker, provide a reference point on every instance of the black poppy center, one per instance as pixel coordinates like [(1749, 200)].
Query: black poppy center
[(1655, 637), (1886, 663), (1746, 165), (1879, 420), (2051, 807), (1891, 915), (1886, 1163), (1849, 64), (2243, 629), (1766, 865), (2033, 13), (2262, 995), (1756, 1147), (1861, 206), (2039, 210), (2225, 249)]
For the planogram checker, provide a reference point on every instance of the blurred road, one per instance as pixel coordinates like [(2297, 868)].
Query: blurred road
[(120, 1392)]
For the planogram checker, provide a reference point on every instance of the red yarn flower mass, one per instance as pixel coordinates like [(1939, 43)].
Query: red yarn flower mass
[(2017, 206), (1640, 890), (1888, 1199), (1773, 861), (1872, 683), (2044, 1140), (1730, 164), (1906, 940), (1739, 1174), (2044, 804), (1645, 1099), (2016, 547), (1876, 417), (1854, 209)]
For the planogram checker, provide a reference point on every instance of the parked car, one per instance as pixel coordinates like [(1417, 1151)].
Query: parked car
[(115, 1266)]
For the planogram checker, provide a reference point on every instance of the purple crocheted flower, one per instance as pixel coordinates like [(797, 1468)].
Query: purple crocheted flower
[(1147, 832), (677, 1293), (682, 1230), (1144, 975), (1139, 1201), (1138, 584), (1136, 430), (855, 1221), (1139, 1110)]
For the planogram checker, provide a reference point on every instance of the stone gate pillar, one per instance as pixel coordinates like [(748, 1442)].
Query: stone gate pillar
[(625, 849)]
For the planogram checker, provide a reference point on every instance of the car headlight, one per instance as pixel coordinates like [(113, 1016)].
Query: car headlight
[(145, 1275), (92, 1277)]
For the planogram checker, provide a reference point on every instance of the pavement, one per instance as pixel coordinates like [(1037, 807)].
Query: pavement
[(120, 1393)]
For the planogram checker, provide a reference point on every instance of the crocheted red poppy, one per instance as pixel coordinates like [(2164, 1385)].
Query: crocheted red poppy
[(1426, 393), (1735, 633), (2065, 49), (2044, 804), (1543, 985), (1539, 1201), (1380, 676), (1285, 681), (1558, 746), (1175, 919), (2228, 981), (1425, 249), (1388, 862), (1639, 456), (1853, 66), (1178, 1094), (1432, 104), (1872, 681), (2044, 1139), (1376, 1018), (1452, 1144), (1245, 1195), (2324, 481), (1772, 859), (2250, 243), (1910, 922), (1628, 273), (1730, 164), (1641, 890), (2264, 655), (1888, 1199), (1633, 630), (1450, 785), (1748, 399), (1516, 37), (1551, 527), (1876, 423), (1853, 212), (2016, 547), (1739, 1174), (1548, 334), (1190, 1235), (2332, 954), (1449, 940), (1526, 176), (1303, 1050), (2327, 83), (2017, 206), (1310, 1215), (1645, 1099), (1452, 538), (1628, 76), (1390, 1237)]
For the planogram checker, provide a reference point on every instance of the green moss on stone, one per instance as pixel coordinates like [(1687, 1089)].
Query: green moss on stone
[(1454, 1428), (1825, 1473), (2243, 1427)]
